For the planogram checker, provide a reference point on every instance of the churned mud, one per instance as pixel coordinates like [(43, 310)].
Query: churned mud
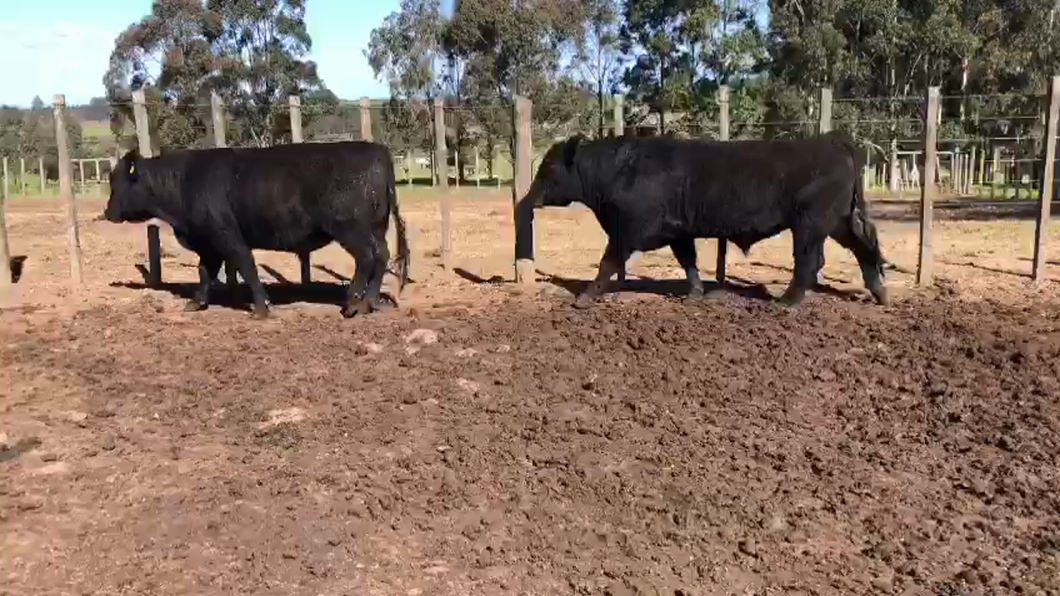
[(523, 447)]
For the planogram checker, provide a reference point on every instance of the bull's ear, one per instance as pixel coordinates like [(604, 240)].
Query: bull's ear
[(570, 149)]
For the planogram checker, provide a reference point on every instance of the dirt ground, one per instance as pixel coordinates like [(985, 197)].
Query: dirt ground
[(490, 439)]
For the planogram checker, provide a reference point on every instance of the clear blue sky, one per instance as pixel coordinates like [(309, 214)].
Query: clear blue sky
[(62, 46)]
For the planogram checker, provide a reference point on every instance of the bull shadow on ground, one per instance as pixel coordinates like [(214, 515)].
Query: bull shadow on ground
[(282, 293), (18, 265), (824, 288), (670, 288), (981, 267)]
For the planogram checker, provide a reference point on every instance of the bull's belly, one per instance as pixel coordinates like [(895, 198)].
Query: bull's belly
[(296, 243), (743, 238)]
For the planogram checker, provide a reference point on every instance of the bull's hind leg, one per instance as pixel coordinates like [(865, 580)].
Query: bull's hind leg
[(373, 295), (866, 249), (209, 265), (685, 251), (809, 259), (613, 261), (365, 254)]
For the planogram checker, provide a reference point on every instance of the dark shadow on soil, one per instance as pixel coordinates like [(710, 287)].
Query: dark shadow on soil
[(275, 274), (675, 288), (279, 293), (974, 265), (477, 279), (338, 276), (18, 265), (791, 271), (1030, 260)]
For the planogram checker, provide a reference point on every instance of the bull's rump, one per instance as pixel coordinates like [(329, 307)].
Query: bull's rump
[(742, 190), (292, 197)]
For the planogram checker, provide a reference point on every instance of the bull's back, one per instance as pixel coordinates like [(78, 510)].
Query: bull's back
[(744, 190), (294, 197)]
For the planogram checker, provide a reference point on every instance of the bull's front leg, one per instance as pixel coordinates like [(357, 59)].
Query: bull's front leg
[(685, 252), (209, 265), (612, 263)]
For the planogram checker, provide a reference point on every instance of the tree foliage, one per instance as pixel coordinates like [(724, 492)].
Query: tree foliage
[(251, 52)]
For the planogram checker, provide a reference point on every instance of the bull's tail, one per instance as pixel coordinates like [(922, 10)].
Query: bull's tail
[(403, 253), (864, 228), (860, 223)]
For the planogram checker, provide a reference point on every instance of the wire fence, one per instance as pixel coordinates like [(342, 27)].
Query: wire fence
[(987, 145)]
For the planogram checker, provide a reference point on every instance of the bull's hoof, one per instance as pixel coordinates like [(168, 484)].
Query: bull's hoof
[(880, 294), (695, 295), (384, 302), (583, 301), (194, 306), (792, 298), (361, 307), (260, 313)]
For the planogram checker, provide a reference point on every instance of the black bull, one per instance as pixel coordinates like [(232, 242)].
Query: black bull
[(222, 203), (648, 193)]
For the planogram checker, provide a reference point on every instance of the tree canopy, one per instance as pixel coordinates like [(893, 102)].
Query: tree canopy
[(250, 52)]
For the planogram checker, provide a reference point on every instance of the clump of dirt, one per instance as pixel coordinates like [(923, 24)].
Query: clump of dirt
[(647, 447)]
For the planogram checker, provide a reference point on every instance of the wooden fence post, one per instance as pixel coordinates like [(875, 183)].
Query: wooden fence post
[(1048, 175), (925, 266), (825, 124), (217, 115), (43, 176), (305, 264), (364, 109), (619, 116), (723, 135), (524, 227), (5, 249), (66, 189), (23, 186), (441, 160), (5, 178), (143, 137)]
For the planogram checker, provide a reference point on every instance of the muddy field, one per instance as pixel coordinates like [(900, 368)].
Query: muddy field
[(487, 439)]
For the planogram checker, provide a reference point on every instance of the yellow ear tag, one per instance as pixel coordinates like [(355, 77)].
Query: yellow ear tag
[(132, 169)]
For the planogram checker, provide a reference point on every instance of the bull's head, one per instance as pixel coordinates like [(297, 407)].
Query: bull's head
[(129, 200), (557, 183)]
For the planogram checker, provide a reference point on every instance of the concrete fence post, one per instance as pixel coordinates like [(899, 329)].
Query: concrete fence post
[(66, 189), (364, 109), (619, 115), (441, 160), (1045, 196), (723, 135), (143, 137), (825, 124), (524, 226), (294, 103), (5, 249), (217, 115), (925, 274)]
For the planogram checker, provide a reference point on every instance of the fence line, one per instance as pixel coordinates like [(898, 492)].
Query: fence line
[(920, 152)]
